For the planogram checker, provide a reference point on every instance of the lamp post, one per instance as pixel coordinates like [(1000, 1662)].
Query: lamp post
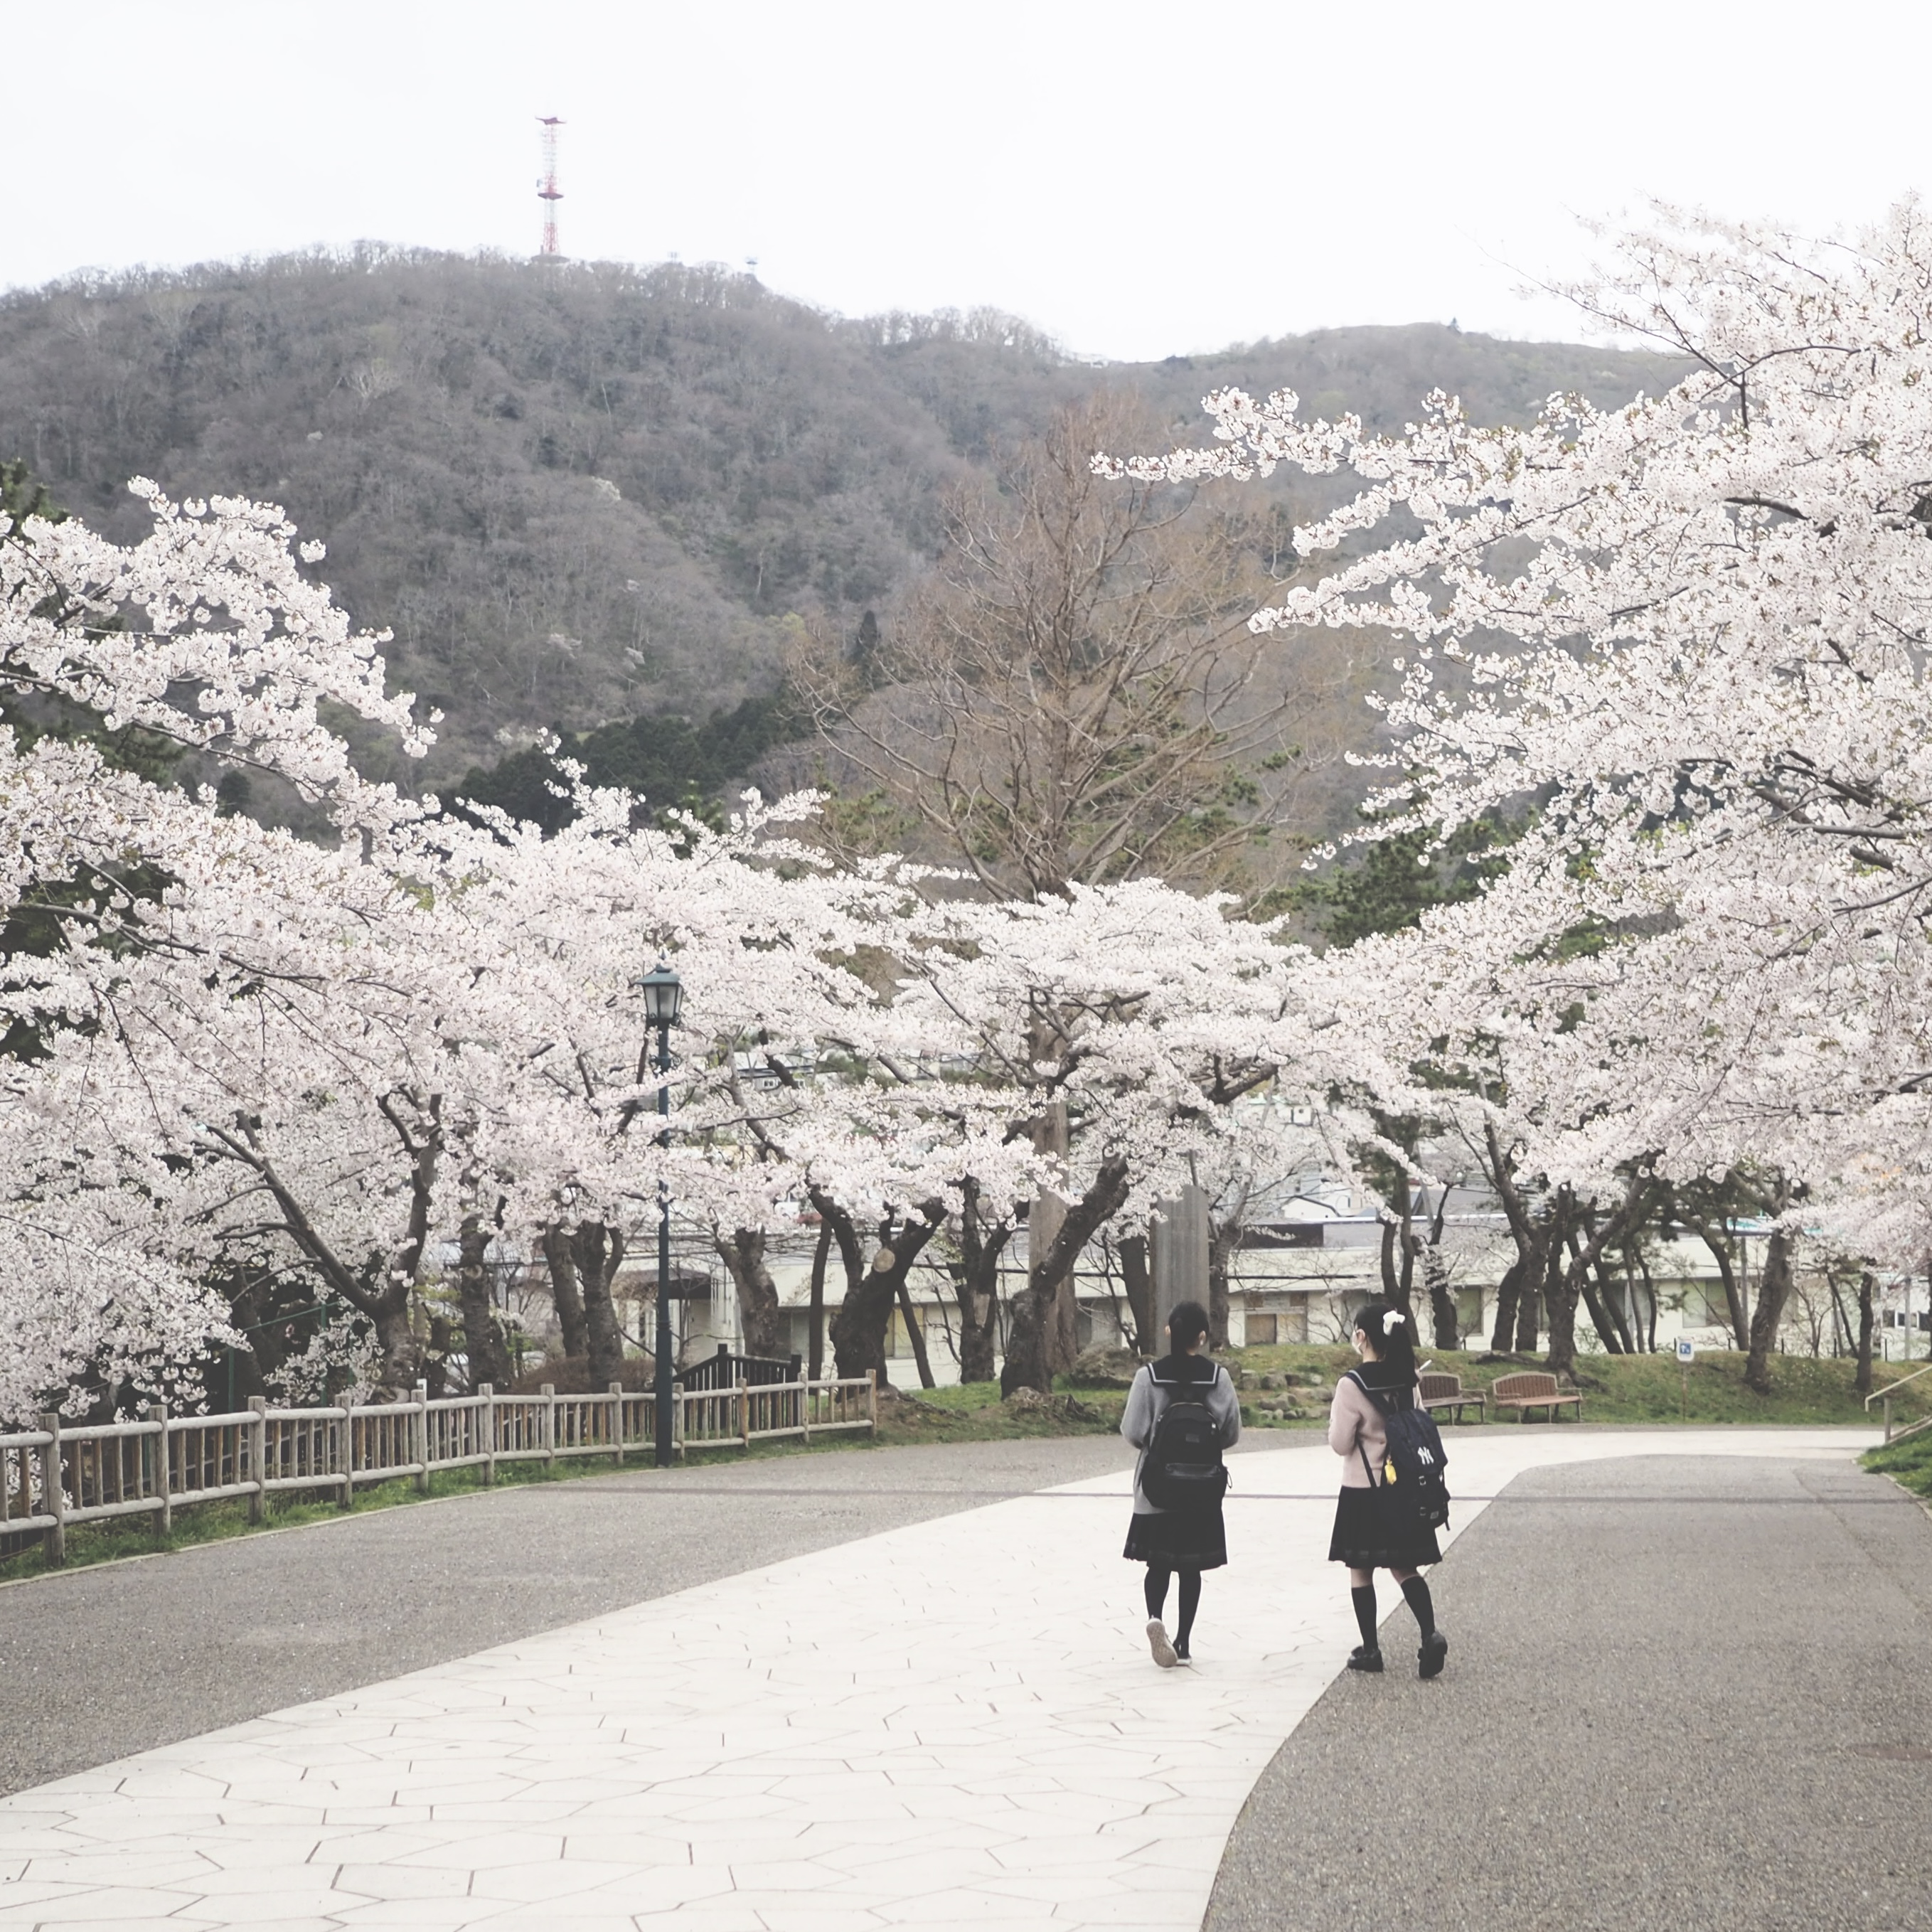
[(664, 994)]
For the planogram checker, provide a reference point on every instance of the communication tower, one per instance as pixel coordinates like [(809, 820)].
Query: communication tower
[(548, 193)]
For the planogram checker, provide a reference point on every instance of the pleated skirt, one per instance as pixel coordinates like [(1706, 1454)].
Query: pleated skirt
[(1193, 1539), (1368, 1536)]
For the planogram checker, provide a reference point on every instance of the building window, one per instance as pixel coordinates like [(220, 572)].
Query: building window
[(1260, 1330)]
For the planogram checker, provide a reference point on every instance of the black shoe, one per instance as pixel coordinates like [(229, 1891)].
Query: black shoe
[(1365, 1657), (1429, 1659)]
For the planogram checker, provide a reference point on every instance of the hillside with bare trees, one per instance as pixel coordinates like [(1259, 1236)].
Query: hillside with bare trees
[(582, 494)]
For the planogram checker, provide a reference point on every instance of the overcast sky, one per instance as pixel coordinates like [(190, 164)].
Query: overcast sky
[(1139, 179)]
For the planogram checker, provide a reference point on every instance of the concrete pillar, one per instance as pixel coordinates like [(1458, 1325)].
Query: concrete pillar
[(1178, 1242)]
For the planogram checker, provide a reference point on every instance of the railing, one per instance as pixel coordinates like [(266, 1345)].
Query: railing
[(1885, 1394), (57, 1475), (725, 1370)]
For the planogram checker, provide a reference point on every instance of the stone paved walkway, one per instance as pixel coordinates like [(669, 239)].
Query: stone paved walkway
[(234, 1630), (953, 1724)]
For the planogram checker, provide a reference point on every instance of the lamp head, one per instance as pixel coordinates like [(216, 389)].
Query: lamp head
[(663, 994)]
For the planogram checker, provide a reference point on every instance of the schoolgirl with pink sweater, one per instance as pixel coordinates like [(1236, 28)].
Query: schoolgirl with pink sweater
[(1368, 1536)]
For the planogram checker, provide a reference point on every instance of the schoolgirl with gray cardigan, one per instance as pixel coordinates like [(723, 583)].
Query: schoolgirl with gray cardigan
[(1193, 1539)]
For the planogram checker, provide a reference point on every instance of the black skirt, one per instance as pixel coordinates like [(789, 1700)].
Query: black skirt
[(1367, 1537), (1192, 1539)]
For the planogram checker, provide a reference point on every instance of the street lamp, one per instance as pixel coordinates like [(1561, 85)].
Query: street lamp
[(663, 993)]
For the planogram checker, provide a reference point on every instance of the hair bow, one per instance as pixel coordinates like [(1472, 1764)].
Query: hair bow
[(1392, 1321)]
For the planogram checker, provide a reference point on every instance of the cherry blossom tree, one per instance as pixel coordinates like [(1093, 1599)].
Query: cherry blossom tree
[(1691, 632)]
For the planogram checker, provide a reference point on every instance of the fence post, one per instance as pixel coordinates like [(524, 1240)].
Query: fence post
[(548, 1391), (744, 1415), (617, 1420), (872, 1398), (257, 1429), (344, 1427), (164, 1516), (53, 1494), (420, 1458), (486, 1427), (804, 1408)]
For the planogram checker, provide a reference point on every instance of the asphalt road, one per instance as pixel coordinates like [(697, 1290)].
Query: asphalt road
[(100, 1662), (1679, 1696)]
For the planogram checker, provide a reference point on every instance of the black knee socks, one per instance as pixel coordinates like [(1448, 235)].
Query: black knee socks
[(1363, 1599), (1190, 1602), (1156, 1587), (1420, 1601)]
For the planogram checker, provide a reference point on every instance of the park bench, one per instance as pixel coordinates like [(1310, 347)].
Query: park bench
[(1441, 1389), (1525, 1392)]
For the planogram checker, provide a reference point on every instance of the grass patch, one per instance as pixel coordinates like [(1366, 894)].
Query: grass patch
[(973, 1412), (1908, 1463), (1630, 1388)]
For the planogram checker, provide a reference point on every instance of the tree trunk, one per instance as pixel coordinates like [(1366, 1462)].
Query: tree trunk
[(1045, 1218), (600, 1252), (1027, 1363), (1502, 1331), (483, 1344), (916, 1335), (743, 1254), (1774, 1289), (1560, 1300), (1602, 1312), (1566, 1285), (395, 1336), (852, 1261), (977, 1286), (1719, 1246), (1139, 1284), (1442, 1303), (1841, 1327), (1529, 1302), (1532, 1238), (859, 1329), (561, 1253), (814, 1360), (1398, 1258), (1436, 1279), (859, 1323), (1649, 1305), (1863, 1382), (1218, 1242)]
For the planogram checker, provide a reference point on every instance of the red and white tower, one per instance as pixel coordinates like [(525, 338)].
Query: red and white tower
[(548, 193)]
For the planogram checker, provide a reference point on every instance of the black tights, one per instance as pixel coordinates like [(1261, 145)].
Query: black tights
[(1190, 1599)]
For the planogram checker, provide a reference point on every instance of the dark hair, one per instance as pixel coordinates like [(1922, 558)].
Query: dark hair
[(1186, 1323), (1394, 1350)]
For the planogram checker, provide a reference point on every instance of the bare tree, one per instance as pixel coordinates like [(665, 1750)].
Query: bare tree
[(1074, 695)]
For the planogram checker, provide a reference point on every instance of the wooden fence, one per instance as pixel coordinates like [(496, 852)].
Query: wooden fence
[(56, 1474)]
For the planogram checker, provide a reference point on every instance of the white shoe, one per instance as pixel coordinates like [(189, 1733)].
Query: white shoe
[(1157, 1643)]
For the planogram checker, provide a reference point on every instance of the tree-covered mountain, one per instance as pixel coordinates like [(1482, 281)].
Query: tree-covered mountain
[(579, 494)]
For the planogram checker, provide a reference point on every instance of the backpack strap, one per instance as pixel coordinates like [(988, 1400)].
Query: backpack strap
[(1354, 1376)]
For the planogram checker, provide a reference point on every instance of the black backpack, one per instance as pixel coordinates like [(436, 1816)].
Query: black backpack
[(1183, 1467), (1412, 1477)]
